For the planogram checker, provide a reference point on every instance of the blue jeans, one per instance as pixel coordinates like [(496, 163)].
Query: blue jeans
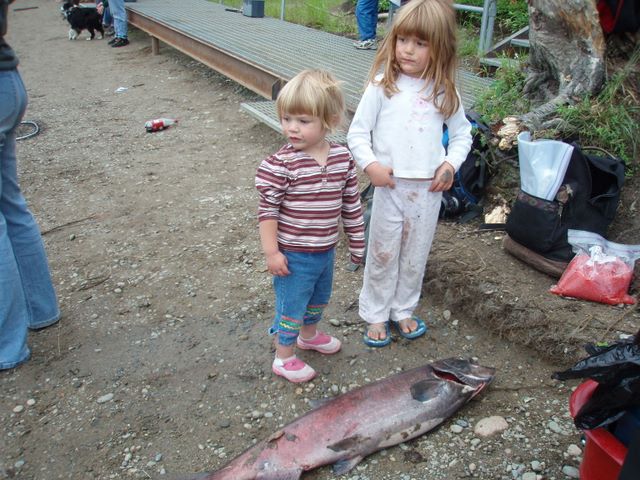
[(302, 295), (367, 18), (106, 17), (27, 297), (119, 14)]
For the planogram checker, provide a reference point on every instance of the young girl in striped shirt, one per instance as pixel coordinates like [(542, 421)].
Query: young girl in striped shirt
[(306, 189)]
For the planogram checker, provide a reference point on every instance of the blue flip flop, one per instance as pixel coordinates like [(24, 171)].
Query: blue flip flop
[(372, 342), (418, 332)]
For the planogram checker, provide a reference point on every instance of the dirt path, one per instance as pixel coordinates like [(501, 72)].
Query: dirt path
[(161, 362)]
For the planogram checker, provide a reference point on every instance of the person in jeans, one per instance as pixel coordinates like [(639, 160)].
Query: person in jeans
[(119, 14), (307, 190), (27, 296), (107, 22), (367, 19)]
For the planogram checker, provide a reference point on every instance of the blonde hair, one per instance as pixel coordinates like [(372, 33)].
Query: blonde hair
[(316, 93), (433, 21)]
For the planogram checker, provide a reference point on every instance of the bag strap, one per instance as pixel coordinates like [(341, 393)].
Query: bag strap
[(598, 149)]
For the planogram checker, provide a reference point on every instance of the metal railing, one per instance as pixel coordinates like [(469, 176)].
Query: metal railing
[(488, 12)]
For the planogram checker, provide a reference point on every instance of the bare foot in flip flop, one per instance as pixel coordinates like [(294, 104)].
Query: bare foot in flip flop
[(377, 331), (408, 325)]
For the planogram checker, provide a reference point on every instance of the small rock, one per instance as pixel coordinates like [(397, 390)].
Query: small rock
[(446, 315), (529, 476), (574, 450), (335, 322), (462, 422), (456, 428), (31, 402), (413, 457), (555, 427), (536, 466), (571, 472), (490, 425), (105, 398)]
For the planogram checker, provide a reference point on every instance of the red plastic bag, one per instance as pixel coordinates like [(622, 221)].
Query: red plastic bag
[(600, 272)]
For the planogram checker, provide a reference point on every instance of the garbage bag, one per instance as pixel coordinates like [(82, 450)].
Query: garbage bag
[(616, 368), (607, 404), (609, 365)]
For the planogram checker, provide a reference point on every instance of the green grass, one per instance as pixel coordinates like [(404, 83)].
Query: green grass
[(327, 15), (610, 120), (511, 16), (505, 96), (336, 16)]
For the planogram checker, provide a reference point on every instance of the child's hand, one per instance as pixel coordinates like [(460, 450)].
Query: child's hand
[(380, 175), (277, 264), (443, 178)]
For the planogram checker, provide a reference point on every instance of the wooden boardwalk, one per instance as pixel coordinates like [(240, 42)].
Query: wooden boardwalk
[(263, 53)]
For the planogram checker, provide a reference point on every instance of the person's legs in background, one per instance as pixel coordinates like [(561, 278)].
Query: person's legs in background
[(27, 297), (367, 19), (119, 15), (107, 22)]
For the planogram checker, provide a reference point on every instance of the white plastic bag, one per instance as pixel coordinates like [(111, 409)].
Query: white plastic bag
[(543, 164), (601, 271)]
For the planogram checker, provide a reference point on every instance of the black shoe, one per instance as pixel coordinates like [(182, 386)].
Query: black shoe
[(120, 42), (112, 41)]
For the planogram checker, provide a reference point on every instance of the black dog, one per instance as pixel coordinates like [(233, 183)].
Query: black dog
[(82, 18)]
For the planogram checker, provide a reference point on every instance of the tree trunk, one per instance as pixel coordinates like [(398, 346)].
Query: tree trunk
[(567, 50)]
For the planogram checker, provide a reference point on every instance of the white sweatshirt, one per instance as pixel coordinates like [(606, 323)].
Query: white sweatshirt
[(404, 132)]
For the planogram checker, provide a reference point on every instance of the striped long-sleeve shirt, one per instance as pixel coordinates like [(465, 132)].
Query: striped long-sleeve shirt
[(308, 200)]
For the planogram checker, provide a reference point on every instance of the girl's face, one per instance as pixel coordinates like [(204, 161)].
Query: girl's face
[(412, 54), (304, 132)]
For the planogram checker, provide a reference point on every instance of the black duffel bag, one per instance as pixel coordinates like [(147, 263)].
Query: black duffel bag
[(586, 200)]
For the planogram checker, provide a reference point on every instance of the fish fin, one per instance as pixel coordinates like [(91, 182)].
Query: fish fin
[(287, 474), (425, 390), (343, 466)]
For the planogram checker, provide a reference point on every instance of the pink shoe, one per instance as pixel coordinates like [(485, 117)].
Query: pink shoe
[(321, 342), (293, 369)]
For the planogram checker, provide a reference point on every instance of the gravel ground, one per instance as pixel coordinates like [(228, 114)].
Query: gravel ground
[(160, 364)]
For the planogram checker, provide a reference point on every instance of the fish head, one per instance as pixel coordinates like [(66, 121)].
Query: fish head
[(473, 377)]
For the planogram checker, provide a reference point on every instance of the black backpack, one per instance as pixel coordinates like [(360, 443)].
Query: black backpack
[(587, 200), (470, 182)]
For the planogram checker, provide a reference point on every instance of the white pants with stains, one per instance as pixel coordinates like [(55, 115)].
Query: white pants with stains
[(403, 223)]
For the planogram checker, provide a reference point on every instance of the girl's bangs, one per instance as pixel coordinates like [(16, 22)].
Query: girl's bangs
[(412, 26), (299, 102)]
